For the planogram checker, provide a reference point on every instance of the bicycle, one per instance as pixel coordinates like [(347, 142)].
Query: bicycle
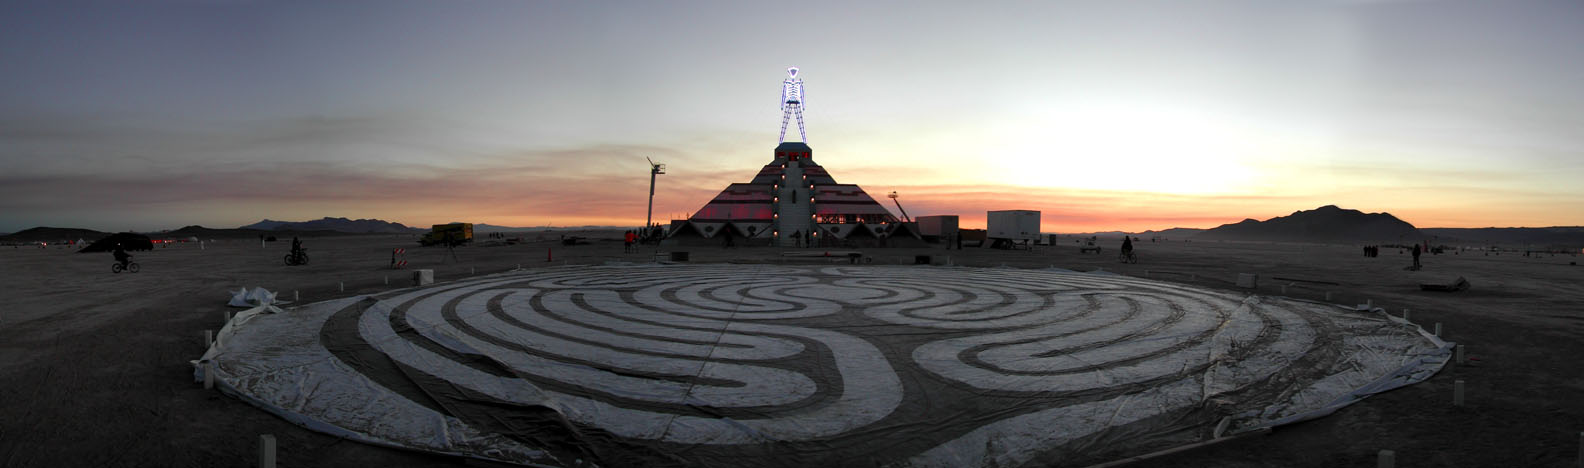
[(131, 267), (300, 258), (1127, 257)]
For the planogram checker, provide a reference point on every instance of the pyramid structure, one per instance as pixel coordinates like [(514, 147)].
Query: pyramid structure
[(790, 197)]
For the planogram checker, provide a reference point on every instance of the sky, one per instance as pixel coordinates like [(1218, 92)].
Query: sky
[(1105, 116)]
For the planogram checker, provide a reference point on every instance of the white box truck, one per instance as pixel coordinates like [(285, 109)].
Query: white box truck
[(1009, 228)]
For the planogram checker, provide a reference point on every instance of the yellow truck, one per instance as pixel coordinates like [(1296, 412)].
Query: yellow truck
[(453, 234)]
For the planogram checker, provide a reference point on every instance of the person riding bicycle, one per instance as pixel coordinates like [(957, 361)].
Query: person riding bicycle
[(1127, 245), (121, 255), (296, 249)]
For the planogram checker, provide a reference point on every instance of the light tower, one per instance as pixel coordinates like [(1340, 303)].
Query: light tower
[(893, 196), (654, 170)]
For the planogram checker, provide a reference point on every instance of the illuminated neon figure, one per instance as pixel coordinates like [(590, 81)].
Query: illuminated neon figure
[(792, 95)]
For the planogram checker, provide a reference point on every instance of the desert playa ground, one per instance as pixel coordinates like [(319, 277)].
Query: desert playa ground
[(94, 366)]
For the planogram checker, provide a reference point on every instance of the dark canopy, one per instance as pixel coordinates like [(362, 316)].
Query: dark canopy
[(128, 240)]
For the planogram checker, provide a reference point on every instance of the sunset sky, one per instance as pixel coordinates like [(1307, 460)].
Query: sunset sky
[(1103, 115)]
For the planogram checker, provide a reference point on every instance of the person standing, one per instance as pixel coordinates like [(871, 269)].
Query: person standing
[(627, 241), (1416, 251)]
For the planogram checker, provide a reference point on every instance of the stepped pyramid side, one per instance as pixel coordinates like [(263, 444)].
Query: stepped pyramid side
[(790, 195)]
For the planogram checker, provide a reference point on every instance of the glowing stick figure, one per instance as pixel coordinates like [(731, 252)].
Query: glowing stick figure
[(792, 95)]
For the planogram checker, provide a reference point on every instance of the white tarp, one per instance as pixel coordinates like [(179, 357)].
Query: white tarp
[(727, 365), (251, 298)]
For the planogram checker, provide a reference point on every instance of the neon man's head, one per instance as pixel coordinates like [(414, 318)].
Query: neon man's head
[(792, 72)]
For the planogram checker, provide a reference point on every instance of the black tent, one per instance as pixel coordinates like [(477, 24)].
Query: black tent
[(128, 240)]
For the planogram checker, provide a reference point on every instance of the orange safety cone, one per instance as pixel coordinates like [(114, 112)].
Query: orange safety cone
[(549, 254)]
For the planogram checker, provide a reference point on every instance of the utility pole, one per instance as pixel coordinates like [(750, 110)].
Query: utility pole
[(654, 170)]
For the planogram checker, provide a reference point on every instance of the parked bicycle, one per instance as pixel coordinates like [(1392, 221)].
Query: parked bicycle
[(129, 267)]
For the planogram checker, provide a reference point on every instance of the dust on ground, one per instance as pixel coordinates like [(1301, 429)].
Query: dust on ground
[(94, 366)]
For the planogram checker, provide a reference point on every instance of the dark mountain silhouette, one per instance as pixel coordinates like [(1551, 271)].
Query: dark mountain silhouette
[(240, 233), (53, 234), (1324, 224), (359, 226), (1173, 233)]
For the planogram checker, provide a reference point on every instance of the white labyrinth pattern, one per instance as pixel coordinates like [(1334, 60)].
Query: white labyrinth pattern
[(785, 366)]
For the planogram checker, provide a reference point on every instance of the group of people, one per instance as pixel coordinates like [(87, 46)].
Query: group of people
[(1373, 251), (651, 234), (803, 239)]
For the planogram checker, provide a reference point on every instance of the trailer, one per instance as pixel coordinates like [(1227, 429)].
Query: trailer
[(452, 234), (1012, 228), (937, 228)]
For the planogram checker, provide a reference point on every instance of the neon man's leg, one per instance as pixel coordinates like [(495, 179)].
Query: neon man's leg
[(786, 115), (800, 123)]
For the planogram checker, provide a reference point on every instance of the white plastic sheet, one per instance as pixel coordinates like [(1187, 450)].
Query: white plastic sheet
[(251, 298), (727, 365)]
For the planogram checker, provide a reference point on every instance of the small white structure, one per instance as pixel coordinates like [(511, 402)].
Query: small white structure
[(423, 277)]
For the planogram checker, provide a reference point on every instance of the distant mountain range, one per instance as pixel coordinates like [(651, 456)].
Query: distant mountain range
[(1540, 237), (52, 234), (357, 226), (1330, 224), (1324, 224)]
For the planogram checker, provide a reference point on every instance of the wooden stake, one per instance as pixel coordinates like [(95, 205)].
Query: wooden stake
[(1438, 329), (1386, 459), (295, 297), (341, 285), (1459, 359), (1581, 450), (208, 338), (266, 451), (209, 370), (1405, 315)]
